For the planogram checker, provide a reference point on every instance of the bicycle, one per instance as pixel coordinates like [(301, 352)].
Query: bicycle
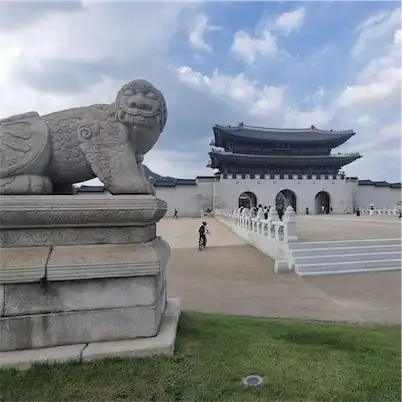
[(202, 241)]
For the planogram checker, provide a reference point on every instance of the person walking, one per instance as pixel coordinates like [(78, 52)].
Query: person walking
[(175, 214), (202, 232)]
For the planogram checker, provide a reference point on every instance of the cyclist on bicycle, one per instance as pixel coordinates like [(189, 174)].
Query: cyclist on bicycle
[(202, 232)]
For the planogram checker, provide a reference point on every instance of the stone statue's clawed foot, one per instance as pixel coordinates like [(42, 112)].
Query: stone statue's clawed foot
[(150, 189), (153, 191), (126, 185), (25, 184)]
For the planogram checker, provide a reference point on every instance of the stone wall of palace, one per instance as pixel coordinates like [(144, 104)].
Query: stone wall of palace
[(345, 193), (340, 191), (380, 197), (208, 192), (188, 199)]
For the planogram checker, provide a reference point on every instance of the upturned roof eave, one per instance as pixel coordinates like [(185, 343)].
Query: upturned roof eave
[(338, 138), (312, 129), (218, 157)]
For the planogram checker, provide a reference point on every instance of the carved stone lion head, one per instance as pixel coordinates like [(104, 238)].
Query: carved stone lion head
[(142, 108)]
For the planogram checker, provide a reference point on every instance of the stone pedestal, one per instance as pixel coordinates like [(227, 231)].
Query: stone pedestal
[(83, 277)]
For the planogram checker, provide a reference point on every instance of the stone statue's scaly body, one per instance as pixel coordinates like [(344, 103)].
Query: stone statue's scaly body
[(46, 154)]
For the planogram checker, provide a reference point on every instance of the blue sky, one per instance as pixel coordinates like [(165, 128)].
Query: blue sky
[(278, 64)]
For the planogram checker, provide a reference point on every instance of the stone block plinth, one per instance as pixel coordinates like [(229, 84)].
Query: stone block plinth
[(46, 220), (81, 270)]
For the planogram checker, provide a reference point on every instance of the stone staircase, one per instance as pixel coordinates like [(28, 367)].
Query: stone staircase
[(345, 256)]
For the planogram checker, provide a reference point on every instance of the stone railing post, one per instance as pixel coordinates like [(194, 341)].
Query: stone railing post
[(272, 216), (289, 225), (260, 226), (249, 219), (277, 230), (237, 219), (257, 219), (253, 224)]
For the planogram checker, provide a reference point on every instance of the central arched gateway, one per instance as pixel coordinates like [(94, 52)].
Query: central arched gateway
[(322, 203), (285, 198), (247, 200)]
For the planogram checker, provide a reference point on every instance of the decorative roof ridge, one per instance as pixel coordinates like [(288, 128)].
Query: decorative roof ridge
[(312, 128), (338, 154), (378, 182), (345, 154)]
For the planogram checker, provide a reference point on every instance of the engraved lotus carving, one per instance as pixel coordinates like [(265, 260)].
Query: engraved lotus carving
[(46, 154)]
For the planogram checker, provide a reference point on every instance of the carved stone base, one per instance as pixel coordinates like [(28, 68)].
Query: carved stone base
[(161, 344), (80, 210), (83, 294), (47, 220), (79, 270), (69, 236)]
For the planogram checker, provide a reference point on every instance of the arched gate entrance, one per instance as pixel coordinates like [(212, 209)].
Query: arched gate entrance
[(285, 198), (322, 203), (247, 200)]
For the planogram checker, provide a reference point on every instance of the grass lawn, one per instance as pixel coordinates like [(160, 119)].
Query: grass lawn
[(299, 361)]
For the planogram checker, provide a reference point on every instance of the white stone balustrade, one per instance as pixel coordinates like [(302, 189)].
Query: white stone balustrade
[(271, 236), (379, 211)]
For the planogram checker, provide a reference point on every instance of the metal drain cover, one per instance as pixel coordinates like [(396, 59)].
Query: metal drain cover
[(252, 380)]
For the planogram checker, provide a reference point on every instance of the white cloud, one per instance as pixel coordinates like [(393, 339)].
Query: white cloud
[(178, 164), (268, 99), (318, 117), (317, 97), (198, 31), (378, 82), (373, 93), (262, 104), (107, 40), (237, 88), (374, 29), (398, 37), (56, 35), (373, 103), (366, 121), (264, 43), (250, 48), (290, 21), (386, 134), (381, 150)]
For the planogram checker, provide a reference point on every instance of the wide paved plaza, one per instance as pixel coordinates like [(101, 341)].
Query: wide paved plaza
[(232, 277), (338, 227)]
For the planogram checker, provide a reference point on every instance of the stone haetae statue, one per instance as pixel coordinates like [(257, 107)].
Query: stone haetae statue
[(48, 154)]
